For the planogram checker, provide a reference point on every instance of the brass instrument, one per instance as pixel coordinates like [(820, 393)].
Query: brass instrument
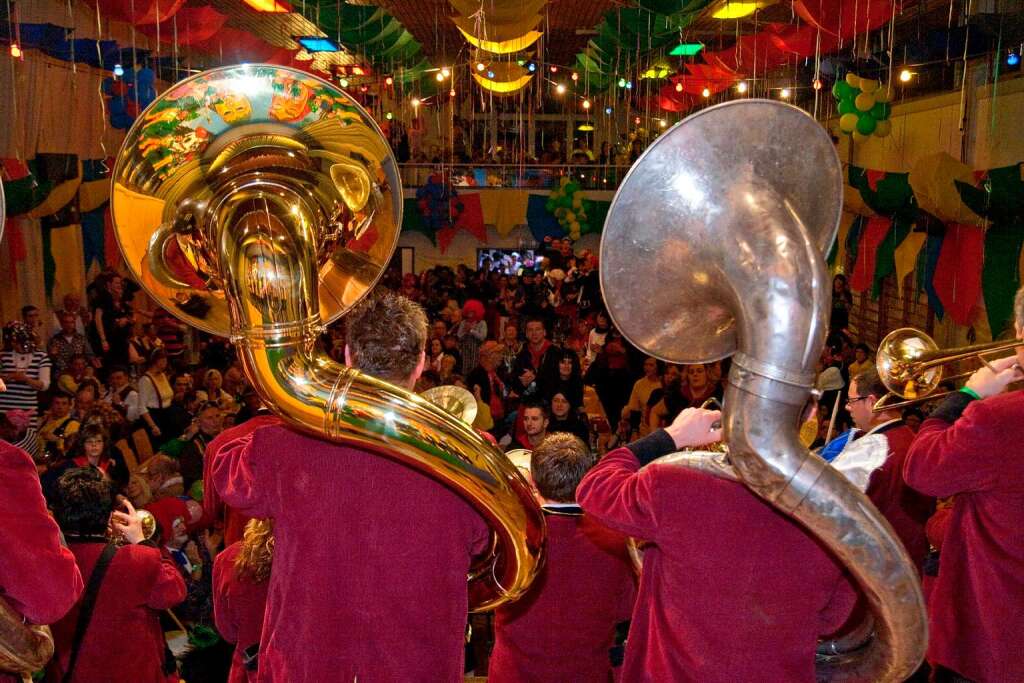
[(24, 648), (260, 202), (456, 400), (730, 213), (910, 364)]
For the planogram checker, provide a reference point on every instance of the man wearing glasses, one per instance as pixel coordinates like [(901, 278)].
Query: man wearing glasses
[(873, 461)]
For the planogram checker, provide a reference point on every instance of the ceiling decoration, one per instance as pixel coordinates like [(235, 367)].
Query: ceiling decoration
[(500, 27), (503, 78)]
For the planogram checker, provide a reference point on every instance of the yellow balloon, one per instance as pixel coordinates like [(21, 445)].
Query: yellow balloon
[(848, 123), (564, 181), (575, 226), (883, 95), (577, 202), (853, 80), (864, 102), (569, 217), (859, 137), (883, 128), (869, 85)]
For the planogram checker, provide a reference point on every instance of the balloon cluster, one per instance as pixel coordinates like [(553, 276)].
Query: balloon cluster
[(567, 205), (864, 107)]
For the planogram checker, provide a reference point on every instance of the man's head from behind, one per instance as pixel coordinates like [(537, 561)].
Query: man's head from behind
[(558, 464), (83, 502), (386, 337)]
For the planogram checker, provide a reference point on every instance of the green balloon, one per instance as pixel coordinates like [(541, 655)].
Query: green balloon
[(841, 90), (572, 188), (549, 205), (881, 111), (846, 106), (866, 124)]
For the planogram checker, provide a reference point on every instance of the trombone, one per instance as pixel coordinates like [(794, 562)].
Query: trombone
[(910, 364)]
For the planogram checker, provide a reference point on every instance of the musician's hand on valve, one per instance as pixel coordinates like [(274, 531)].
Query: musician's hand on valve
[(986, 383), (696, 427), (127, 524)]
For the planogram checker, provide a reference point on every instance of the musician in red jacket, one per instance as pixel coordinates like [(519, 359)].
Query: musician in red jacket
[(39, 578), (563, 629), (732, 590), (371, 556), (240, 576), (969, 448), (122, 640)]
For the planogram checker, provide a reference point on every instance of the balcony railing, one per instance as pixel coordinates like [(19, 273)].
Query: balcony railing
[(523, 176)]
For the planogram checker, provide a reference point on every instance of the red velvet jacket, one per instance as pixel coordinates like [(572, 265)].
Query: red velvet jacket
[(213, 506), (38, 577), (124, 641), (976, 617), (731, 589), (370, 560), (906, 509), (563, 628), (238, 607)]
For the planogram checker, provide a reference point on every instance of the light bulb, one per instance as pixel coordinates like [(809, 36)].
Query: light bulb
[(741, 87), (480, 66), (554, 69), (817, 84), (637, 120), (415, 101), (575, 76), (451, 93), (662, 123), (622, 82), (343, 83), (389, 116), (679, 87), (586, 104), (560, 89), (608, 110), (905, 76), (445, 72), (531, 67), (118, 69), (490, 74), (16, 51), (389, 81), (706, 92), (784, 93), (629, 85)]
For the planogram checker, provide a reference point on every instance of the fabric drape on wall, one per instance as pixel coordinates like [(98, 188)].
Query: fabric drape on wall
[(21, 277), (47, 96)]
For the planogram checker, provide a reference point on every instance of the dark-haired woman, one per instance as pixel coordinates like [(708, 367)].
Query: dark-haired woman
[(240, 577), (565, 418), (155, 396), (842, 302)]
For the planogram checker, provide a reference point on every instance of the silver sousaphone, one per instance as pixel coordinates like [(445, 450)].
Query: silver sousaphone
[(727, 217)]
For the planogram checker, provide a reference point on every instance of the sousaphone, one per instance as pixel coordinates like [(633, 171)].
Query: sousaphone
[(260, 203), (728, 217)]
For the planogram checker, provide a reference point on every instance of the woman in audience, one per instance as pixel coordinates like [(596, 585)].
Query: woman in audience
[(155, 396)]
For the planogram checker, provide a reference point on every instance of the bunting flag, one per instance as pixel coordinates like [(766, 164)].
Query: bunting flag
[(885, 193), (905, 256), (957, 278), (469, 215), (874, 233), (885, 259), (93, 237), (1000, 277), (541, 221), (111, 250), (852, 242), (926, 275), (94, 191)]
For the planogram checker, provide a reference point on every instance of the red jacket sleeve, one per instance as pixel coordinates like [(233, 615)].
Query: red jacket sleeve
[(234, 471), (223, 615), (213, 505), (937, 525), (38, 576), (168, 587), (967, 455), (617, 493)]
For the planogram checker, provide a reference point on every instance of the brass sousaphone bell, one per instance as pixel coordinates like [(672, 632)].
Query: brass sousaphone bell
[(261, 203)]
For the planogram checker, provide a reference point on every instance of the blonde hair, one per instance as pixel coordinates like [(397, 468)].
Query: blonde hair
[(257, 553)]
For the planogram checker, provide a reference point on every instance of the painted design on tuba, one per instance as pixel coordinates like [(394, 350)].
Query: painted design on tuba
[(729, 214)]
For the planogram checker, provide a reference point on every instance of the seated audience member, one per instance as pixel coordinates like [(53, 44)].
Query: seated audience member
[(486, 377), (564, 418), (862, 360), (16, 429), (609, 375), (534, 426), (564, 627), (74, 373), (877, 453), (122, 638), (636, 410), (91, 449), (39, 577), (191, 445), (122, 395), (324, 593), (67, 343), (538, 358), (241, 573), (968, 448), (764, 628), (58, 426), (568, 381)]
